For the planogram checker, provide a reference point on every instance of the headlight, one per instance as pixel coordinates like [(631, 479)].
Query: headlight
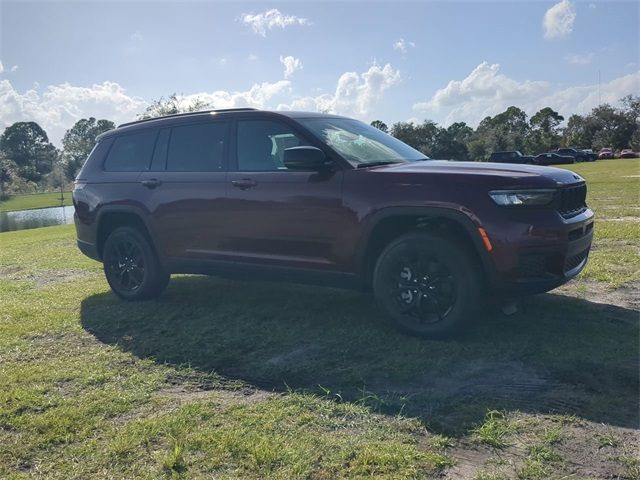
[(510, 198)]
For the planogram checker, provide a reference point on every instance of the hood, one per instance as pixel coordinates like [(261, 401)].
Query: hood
[(502, 173)]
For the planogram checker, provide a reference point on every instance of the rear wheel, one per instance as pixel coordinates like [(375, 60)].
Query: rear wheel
[(427, 285), (131, 265)]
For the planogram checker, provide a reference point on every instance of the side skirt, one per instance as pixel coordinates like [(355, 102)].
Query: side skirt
[(247, 272)]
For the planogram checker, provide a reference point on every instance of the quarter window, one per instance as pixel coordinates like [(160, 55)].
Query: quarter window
[(197, 148), (131, 153)]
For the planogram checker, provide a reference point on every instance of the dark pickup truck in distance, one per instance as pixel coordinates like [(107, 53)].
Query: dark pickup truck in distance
[(511, 157), (578, 155), (323, 199)]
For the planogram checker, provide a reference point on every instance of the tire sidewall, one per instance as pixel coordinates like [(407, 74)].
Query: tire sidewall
[(459, 262)]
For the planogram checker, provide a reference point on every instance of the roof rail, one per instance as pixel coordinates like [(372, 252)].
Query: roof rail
[(186, 114)]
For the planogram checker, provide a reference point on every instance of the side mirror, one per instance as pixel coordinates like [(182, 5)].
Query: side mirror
[(305, 158)]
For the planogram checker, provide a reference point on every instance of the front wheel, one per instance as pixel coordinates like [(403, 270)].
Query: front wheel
[(427, 285), (131, 265)]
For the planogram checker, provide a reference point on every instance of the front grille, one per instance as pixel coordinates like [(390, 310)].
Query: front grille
[(572, 200), (532, 265), (572, 262)]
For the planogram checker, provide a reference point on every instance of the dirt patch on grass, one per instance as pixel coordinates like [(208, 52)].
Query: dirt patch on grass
[(620, 219), (184, 395), (580, 449), (7, 273), (594, 450), (188, 385), (44, 278), (627, 296), (470, 459)]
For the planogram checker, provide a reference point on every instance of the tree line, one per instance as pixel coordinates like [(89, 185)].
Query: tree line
[(29, 162), (604, 126)]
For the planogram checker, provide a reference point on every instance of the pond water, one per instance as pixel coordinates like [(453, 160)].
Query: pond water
[(38, 217)]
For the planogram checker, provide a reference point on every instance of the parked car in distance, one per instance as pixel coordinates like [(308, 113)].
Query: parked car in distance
[(592, 156), (579, 155), (323, 199), (605, 153), (511, 157), (553, 159), (628, 153)]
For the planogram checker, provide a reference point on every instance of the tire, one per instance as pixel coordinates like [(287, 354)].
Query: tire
[(418, 268), (131, 265)]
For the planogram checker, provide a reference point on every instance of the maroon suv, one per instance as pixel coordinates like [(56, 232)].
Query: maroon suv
[(328, 200)]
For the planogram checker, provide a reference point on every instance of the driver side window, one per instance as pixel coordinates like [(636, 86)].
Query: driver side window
[(261, 145)]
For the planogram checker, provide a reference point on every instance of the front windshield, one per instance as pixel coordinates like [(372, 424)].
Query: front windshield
[(361, 143)]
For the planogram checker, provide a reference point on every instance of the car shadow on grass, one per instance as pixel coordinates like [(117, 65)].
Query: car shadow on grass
[(559, 354)]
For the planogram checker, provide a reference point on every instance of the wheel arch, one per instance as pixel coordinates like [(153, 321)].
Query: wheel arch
[(112, 217), (390, 223)]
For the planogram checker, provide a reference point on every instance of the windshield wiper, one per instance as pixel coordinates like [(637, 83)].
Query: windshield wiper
[(376, 164)]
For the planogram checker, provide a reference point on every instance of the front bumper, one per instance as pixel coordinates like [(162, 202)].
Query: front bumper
[(540, 255)]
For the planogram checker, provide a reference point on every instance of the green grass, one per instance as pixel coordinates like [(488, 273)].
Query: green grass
[(222, 379), (495, 429), (490, 476), (35, 200), (614, 196)]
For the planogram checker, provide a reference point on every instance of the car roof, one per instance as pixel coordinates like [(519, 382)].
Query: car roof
[(189, 117)]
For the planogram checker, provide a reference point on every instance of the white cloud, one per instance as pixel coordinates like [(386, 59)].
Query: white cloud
[(222, 61), (257, 96), (252, 57), (134, 45), (14, 68), (484, 87), (579, 58), (355, 94), (291, 65), (261, 23), (402, 45), (1, 67), (486, 91), (558, 20), (58, 107)]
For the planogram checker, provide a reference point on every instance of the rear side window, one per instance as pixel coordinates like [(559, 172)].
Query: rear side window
[(131, 153), (197, 148)]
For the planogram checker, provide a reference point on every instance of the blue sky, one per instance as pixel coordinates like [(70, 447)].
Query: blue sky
[(446, 61)]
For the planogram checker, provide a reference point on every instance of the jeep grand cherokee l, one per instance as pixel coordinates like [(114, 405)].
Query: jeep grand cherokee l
[(323, 199)]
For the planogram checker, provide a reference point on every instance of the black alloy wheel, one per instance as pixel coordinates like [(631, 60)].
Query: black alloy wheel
[(428, 285), (131, 265)]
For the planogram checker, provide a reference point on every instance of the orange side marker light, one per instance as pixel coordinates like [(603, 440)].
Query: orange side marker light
[(485, 239)]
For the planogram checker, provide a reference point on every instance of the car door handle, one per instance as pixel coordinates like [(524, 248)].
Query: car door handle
[(244, 184), (151, 183)]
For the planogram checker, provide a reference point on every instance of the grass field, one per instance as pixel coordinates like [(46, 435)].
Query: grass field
[(222, 379), (35, 200)]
